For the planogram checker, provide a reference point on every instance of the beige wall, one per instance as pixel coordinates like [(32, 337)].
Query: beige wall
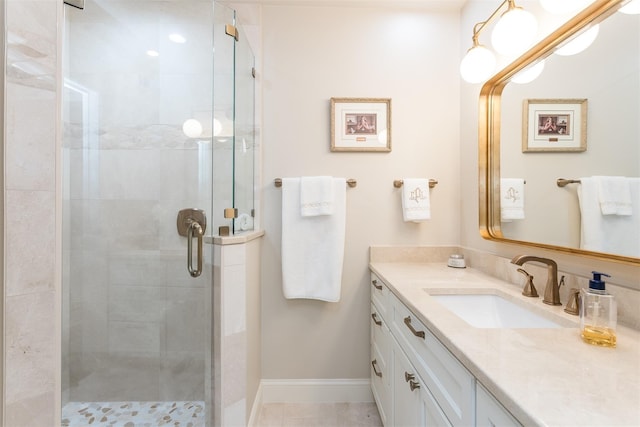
[(310, 55), (625, 275)]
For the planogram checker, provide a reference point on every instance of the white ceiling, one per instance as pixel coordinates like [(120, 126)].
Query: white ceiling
[(442, 5)]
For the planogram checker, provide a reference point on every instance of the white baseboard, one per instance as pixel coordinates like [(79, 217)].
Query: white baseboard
[(255, 408), (315, 391)]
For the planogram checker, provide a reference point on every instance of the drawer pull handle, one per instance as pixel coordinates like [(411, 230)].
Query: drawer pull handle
[(374, 364), (374, 316), (374, 282), (414, 385), (407, 321), (408, 377)]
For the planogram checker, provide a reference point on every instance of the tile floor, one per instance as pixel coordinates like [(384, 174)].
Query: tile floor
[(319, 415), (133, 414)]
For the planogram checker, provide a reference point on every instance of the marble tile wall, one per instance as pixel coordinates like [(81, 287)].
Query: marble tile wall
[(31, 298)]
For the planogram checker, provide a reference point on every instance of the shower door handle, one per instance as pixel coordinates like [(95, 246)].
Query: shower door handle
[(192, 223), (194, 227)]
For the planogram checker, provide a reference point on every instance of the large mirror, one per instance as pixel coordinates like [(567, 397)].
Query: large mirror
[(596, 94)]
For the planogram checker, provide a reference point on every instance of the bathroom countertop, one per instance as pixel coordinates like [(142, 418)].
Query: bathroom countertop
[(547, 377)]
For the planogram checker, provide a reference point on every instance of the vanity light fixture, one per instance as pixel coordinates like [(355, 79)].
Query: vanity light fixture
[(563, 6), (513, 33), (631, 8), (529, 74), (579, 43)]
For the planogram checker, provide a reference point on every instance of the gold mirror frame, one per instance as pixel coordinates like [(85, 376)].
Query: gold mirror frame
[(489, 129)]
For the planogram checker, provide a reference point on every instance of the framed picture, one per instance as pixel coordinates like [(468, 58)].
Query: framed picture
[(554, 125), (360, 124)]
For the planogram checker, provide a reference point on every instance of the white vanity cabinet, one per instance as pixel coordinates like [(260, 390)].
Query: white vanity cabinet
[(415, 380)]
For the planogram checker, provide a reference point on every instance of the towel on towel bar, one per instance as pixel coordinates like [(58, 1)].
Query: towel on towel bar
[(511, 199), (312, 246), (316, 195), (618, 234), (614, 195), (416, 205)]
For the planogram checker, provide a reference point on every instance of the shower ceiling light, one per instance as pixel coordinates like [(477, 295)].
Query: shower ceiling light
[(177, 38), (514, 32), (153, 53)]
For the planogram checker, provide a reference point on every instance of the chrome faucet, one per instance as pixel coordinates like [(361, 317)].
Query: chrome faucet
[(552, 289)]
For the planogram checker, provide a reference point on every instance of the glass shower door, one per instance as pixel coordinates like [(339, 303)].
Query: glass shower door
[(137, 149)]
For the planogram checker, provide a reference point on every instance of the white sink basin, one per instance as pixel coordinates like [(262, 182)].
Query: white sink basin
[(493, 311)]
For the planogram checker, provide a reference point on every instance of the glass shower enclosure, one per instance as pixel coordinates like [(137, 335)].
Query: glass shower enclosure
[(158, 118)]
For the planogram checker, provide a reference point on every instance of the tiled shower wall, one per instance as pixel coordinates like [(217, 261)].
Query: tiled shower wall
[(32, 234)]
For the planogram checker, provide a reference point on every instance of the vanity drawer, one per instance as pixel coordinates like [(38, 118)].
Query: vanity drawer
[(380, 296), (450, 383), (381, 339), (489, 412)]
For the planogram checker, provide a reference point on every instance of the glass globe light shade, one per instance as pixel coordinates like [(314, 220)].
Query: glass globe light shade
[(477, 65), (560, 7), (192, 128), (529, 74), (631, 8), (217, 127), (514, 32), (579, 43)]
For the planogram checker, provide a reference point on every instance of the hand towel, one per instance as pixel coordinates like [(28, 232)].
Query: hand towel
[(312, 247), (316, 195), (416, 205), (619, 234), (511, 199), (614, 195)]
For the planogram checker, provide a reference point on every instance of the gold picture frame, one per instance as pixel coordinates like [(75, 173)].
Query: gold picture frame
[(361, 124), (554, 125)]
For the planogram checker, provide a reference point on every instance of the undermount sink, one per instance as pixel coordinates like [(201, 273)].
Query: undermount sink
[(493, 311)]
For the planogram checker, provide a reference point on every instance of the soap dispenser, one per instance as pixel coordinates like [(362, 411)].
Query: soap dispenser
[(598, 313)]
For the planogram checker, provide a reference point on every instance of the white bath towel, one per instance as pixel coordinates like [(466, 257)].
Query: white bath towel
[(316, 195), (608, 233), (614, 195), (312, 247), (416, 205), (511, 199)]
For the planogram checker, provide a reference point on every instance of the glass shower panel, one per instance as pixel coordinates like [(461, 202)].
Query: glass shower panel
[(137, 148), (223, 116), (244, 140)]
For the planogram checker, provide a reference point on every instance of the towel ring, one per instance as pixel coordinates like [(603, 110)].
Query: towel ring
[(398, 183)]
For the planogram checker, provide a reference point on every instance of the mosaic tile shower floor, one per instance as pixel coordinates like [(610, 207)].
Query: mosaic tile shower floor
[(133, 414)]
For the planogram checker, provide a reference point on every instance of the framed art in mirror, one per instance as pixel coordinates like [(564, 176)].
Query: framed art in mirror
[(554, 125), (361, 124)]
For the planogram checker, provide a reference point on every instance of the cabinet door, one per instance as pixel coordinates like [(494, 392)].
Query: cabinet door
[(381, 364), (489, 412), (407, 402)]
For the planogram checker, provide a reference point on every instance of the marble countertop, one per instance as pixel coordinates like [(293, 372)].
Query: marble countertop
[(547, 377)]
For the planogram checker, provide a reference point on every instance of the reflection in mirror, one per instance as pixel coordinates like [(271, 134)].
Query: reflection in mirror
[(607, 76)]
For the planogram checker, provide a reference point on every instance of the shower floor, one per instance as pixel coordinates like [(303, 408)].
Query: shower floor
[(133, 414)]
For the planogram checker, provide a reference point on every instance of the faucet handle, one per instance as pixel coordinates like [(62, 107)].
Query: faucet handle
[(529, 289), (573, 305)]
